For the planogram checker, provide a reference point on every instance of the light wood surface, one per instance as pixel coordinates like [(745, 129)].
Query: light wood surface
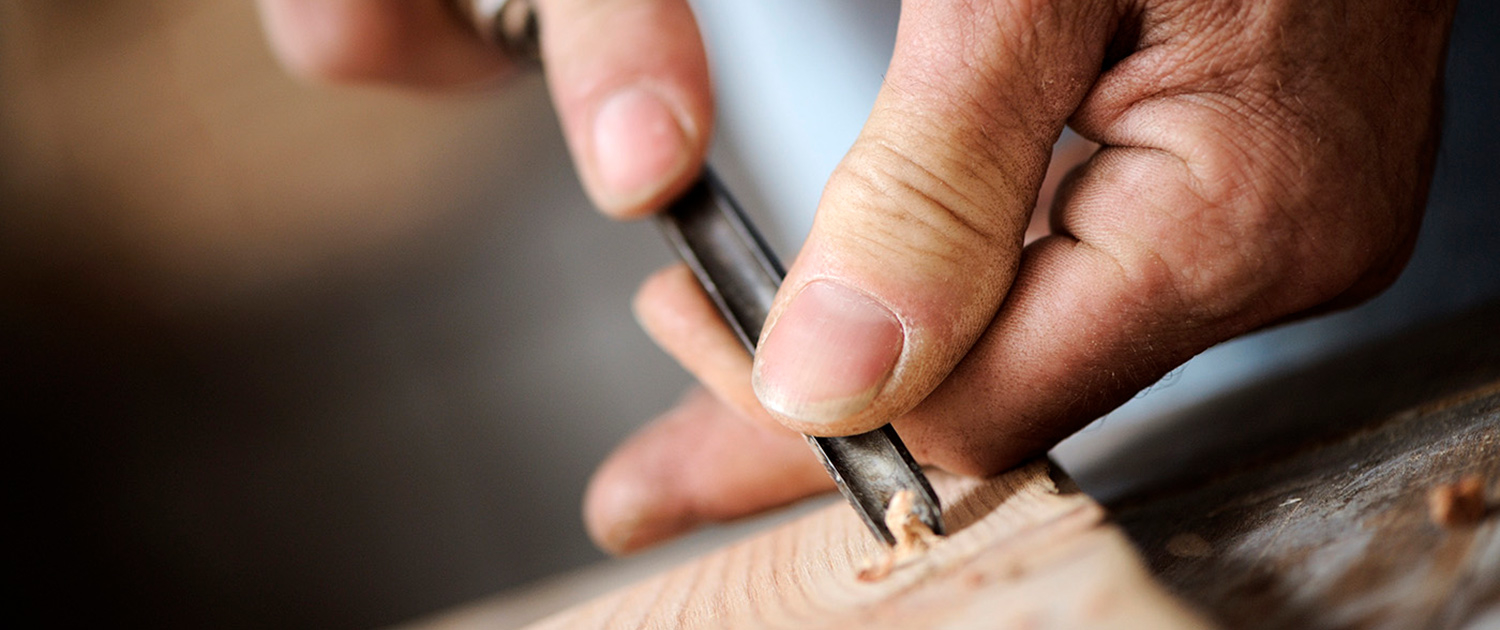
[(1023, 554)]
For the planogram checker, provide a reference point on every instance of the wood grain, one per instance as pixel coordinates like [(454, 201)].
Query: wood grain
[(1023, 554), (1319, 517), (1297, 502), (1341, 536)]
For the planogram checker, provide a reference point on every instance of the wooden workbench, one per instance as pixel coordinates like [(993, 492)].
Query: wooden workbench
[(1302, 502)]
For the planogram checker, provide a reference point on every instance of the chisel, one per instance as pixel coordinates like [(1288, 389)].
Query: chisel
[(741, 275)]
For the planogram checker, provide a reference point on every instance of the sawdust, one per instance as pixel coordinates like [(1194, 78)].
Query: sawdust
[(1457, 504), (913, 538), (1189, 545)]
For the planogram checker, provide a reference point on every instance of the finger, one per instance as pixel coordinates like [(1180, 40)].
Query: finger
[(699, 463), (629, 77), (673, 309), (409, 42), (919, 232), (1244, 198), (1069, 153), (630, 82)]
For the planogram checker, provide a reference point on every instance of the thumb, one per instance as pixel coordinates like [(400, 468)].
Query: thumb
[(918, 234)]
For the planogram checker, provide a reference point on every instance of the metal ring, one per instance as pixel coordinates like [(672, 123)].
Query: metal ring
[(509, 24)]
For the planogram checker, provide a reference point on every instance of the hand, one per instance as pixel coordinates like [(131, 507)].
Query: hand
[(628, 77), (1260, 162)]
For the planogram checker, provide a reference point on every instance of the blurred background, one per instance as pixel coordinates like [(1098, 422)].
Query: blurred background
[(297, 356)]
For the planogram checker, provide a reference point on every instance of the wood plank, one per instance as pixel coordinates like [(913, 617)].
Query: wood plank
[(1303, 502), (1341, 535), (1024, 553), (1297, 502)]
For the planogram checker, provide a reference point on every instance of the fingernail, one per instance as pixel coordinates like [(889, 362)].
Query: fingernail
[(827, 355), (638, 145)]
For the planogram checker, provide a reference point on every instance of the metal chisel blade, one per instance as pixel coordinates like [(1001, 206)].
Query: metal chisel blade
[(741, 274)]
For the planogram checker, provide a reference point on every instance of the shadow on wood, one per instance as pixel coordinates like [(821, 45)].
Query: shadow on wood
[(1315, 512)]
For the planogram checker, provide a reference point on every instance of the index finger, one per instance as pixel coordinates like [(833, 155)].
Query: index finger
[(420, 44)]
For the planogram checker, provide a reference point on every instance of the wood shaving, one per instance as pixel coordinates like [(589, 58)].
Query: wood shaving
[(913, 537), (1457, 504), (1190, 545)]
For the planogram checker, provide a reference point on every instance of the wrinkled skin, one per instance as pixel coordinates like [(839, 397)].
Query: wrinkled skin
[(1259, 161)]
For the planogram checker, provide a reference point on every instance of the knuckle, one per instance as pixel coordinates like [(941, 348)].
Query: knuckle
[(938, 207), (1261, 239), (1306, 218)]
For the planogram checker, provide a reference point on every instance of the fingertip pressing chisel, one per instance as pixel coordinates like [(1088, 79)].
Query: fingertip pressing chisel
[(741, 275)]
